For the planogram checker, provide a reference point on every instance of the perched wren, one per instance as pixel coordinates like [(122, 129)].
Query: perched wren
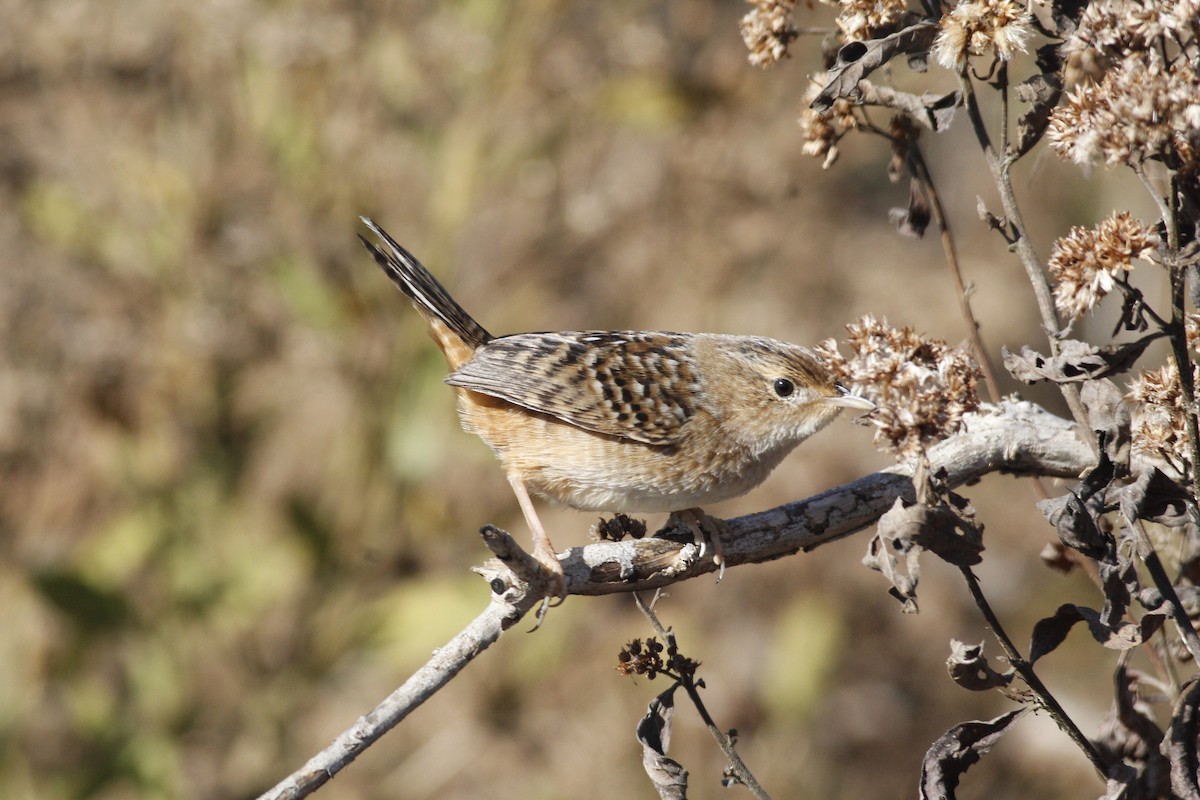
[(629, 421)]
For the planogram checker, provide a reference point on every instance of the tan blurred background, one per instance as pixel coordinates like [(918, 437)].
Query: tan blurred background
[(236, 509)]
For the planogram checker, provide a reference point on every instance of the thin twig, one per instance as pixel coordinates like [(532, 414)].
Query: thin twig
[(1179, 347), (1025, 670), (920, 170), (1042, 292), (1139, 169), (723, 740)]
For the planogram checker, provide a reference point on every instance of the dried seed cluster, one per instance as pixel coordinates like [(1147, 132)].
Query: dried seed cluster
[(638, 658), (1086, 262), (922, 386)]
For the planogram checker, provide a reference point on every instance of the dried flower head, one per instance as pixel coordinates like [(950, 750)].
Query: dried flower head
[(1142, 108), (981, 27), (922, 386), (1159, 416), (822, 130), (859, 20), (1085, 263), (767, 30), (1115, 28)]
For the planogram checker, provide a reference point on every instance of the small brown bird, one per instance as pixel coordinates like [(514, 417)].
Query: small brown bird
[(628, 421)]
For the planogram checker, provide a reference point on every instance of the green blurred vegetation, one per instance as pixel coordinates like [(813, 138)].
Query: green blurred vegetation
[(236, 509)]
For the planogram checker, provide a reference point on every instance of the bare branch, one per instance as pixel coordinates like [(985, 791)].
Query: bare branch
[(1013, 437), (503, 611)]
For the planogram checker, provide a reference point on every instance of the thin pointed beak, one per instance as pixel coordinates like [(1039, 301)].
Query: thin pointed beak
[(846, 400)]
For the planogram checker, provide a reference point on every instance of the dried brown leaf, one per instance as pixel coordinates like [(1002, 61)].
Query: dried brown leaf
[(912, 221), (1108, 415), (1050, 632), (891, 543), (956, 751), (1156, 498), (1077, 361), (1129, 739), (1042, 92), (1075, 525), (969, 668), (857, 60), (654, 732), (1180, 743)]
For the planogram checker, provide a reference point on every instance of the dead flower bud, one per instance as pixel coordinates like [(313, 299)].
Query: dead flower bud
[(981, 27), (922, 387), (1159, 416), (1086, 262), (767, 30)]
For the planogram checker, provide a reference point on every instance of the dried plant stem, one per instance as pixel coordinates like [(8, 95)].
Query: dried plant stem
[(920, 170), (724, 740), (1162, 582), (1025, 670), (1000, 166), (1187, 381), (1179, 348)]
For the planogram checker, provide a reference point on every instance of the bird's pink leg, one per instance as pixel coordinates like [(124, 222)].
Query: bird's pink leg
[(543, 550)]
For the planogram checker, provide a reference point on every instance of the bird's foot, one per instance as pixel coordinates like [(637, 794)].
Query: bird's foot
[(555, 583), (706, 530)]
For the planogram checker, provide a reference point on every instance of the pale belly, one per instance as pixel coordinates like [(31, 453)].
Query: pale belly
[(592, 472)]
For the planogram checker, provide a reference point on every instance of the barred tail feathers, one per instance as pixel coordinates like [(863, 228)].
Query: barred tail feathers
[(445, 316)]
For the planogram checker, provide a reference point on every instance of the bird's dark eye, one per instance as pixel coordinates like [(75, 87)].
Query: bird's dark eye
[(784, 387)]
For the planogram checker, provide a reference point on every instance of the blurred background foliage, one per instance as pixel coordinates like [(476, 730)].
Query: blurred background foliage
[(236, 509)]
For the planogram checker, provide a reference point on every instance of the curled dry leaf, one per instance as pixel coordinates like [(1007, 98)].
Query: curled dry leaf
[(1076, 361), (1156, 498), (654, 732), (969, 668), (857, 60), (891, 543), (1050, 632), (1129, 740), (1042, 92), (1180, 743), (956, 751), (1108, 415), (1077, 515), (912, 221), (1075, 525), (947, 528)]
